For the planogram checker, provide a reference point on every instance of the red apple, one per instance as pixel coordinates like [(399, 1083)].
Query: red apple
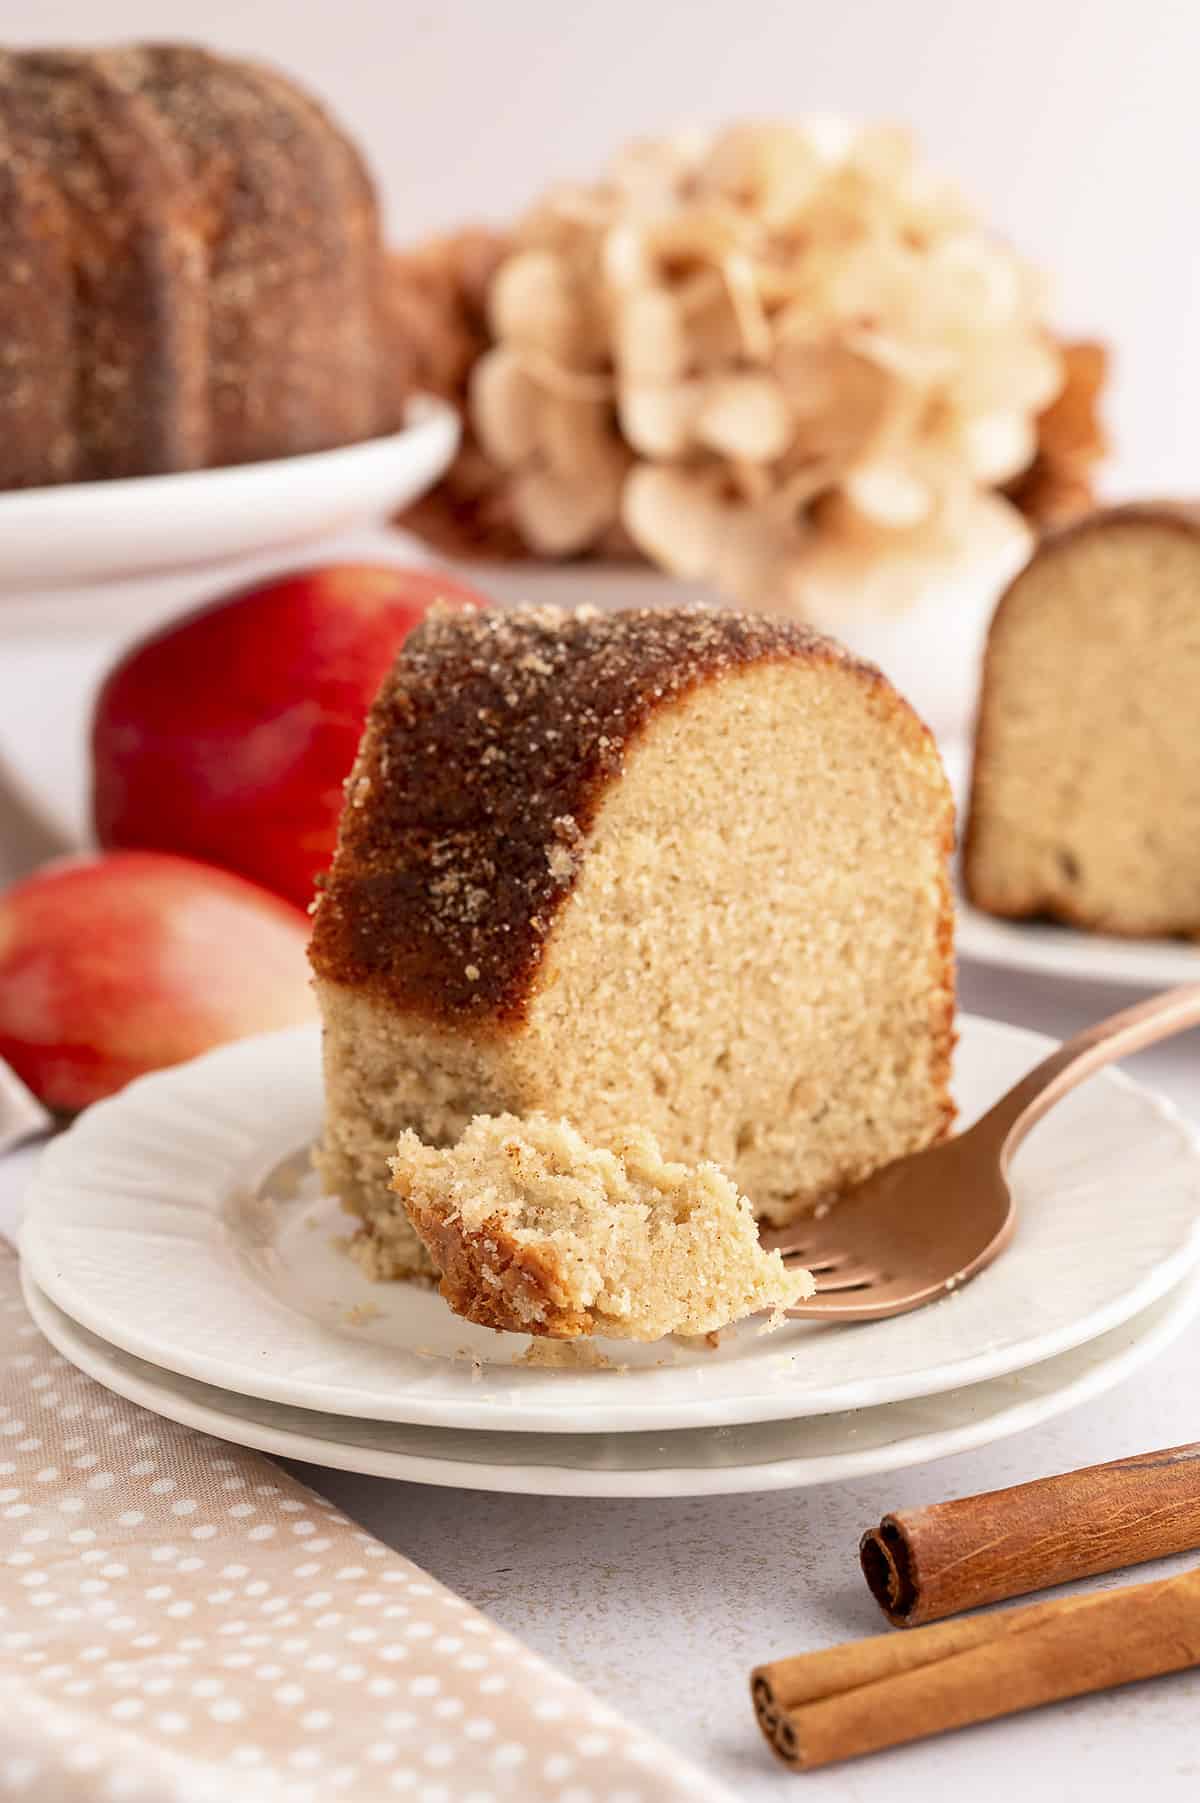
[(112, 966), (227, 736)]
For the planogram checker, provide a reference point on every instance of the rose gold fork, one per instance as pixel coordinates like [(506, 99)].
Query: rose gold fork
[(926, 1223)]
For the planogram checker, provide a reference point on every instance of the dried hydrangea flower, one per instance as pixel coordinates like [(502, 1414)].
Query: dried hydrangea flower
[(740, 349)]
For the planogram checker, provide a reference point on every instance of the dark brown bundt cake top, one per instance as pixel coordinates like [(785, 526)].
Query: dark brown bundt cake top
[(485, 758)]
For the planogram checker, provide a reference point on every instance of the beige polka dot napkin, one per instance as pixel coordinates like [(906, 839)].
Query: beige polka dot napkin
[(182, 1622)]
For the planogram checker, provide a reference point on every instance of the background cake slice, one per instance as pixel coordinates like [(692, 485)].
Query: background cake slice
[(682, 868), (1085, 801), (537, 1231)]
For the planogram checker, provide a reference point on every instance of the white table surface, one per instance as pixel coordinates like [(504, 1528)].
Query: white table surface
[(662, 1607)]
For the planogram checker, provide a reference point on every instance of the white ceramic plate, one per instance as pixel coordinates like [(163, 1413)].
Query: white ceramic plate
[(1061, 951), (87, 532), (774, 1455), (176, 1221)]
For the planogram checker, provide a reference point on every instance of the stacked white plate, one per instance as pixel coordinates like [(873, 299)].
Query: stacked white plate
[(177, 1249)]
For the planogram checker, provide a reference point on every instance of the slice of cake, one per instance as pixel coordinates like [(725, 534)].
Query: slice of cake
[(1085, 802), (536, 1231), (682, 868)]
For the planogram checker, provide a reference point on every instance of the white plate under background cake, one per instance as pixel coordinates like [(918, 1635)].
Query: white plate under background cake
[(57, 544), (1061, 951), (177, 1222)]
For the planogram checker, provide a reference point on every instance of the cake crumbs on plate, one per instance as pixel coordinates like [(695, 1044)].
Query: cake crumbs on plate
[(698, 1342), (361, 1314), (473, 1359), (559, 1355)]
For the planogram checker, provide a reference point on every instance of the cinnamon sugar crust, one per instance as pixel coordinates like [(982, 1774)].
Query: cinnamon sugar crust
[(125, 299), (485, 758), (190, 268), (491, 1278)]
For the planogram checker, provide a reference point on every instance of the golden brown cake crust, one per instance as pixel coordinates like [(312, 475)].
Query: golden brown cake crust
[(1181, 516), (192, 273), (519, 1292), (286, 214), (37, 371), (130, 302), (486, 756)]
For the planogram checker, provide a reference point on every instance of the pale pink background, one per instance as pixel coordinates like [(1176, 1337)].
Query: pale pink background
[(1074, 122)]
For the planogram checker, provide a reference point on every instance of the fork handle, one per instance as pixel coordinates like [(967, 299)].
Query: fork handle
[(1018, 1111)]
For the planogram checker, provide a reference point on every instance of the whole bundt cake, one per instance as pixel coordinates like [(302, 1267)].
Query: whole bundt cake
[(190, 268)]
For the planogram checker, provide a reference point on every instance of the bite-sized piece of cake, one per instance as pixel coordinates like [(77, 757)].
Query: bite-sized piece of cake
[(1085, 802), (536, 1231), (678, 867)]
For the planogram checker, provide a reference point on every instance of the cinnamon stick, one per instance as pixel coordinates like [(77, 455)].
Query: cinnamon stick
[(883, 1692), (924, 1564)]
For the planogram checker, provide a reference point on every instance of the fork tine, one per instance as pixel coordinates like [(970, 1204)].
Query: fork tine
[(853, 1278), (818, 1258), (833, 1259)]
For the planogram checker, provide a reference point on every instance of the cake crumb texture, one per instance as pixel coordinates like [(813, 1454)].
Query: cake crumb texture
[(538, 1231), (1085, 803)]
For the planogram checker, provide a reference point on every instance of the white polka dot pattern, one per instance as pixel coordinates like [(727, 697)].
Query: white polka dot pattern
[(182, 1622)]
